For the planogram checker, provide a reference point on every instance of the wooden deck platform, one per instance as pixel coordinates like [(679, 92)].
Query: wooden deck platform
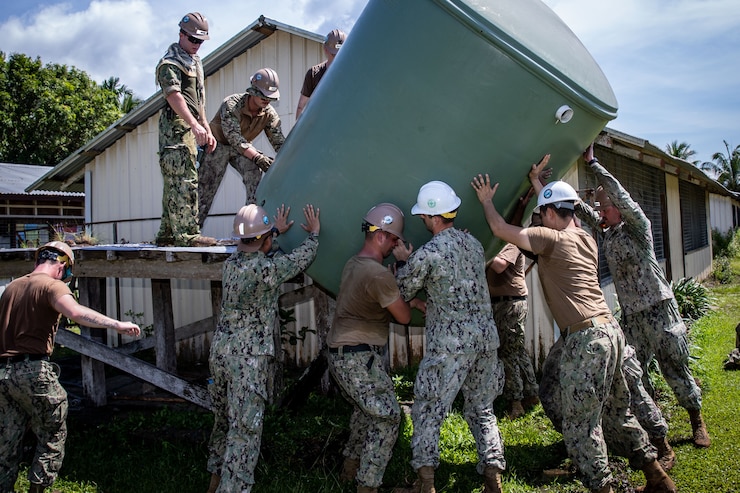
[(93, 264)]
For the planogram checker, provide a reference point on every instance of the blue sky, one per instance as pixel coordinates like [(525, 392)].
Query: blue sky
[(673, 65)]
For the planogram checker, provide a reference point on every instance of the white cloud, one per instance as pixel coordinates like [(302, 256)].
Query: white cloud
[(672, 64), (126, 38)]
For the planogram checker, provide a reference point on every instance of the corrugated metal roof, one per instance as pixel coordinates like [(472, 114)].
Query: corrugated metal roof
[(14, 178), (68, 174), (684, 169)]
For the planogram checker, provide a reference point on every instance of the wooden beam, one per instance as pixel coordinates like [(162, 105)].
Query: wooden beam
[(196, 394), (92, 294), (164, 326)]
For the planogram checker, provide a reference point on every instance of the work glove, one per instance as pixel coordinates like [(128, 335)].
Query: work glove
[(263, 162)]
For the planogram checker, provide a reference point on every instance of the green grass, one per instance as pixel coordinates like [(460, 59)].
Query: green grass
[(162, 450)]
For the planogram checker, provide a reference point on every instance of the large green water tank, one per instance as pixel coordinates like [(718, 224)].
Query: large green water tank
[(435, 90)]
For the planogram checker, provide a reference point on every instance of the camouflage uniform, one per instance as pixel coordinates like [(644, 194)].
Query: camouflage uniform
[(650, 320), (511, 317), (365, 383), (574, 386), (30, 393), (234, 127), (242, 352), (177, 71), (461, 350), (641, 404), (583, 385), (361, 322)]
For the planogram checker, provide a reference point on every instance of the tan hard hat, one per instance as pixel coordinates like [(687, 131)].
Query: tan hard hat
[(266, 81), (385, 217), (334, 40), (251, 222), (601, 199), (196, 25), (59, 247)]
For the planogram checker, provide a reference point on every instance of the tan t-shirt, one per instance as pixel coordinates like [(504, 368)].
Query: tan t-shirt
[(568, 267), (511, 282), (28, 320), (366, 289)]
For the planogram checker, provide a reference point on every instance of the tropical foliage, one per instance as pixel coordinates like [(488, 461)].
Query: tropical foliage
[(681, 150), (126, 97), (726, 167), (49, 111)]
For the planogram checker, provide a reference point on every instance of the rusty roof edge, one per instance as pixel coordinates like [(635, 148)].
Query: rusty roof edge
[(688, 169), (245, 39)]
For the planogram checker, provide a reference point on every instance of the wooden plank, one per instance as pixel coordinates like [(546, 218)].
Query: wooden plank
[(92, 294), (196, 394), (164, 326), (146, 264), (416, 344)]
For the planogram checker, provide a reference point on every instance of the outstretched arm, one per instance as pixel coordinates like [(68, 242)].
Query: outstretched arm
[(538, 174), (500, 228), (67, 305)]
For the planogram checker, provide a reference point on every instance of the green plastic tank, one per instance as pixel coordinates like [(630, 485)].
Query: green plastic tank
[(435, 90)]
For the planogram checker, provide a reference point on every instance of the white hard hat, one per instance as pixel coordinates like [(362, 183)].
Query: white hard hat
[(559, 194), (436, 198)]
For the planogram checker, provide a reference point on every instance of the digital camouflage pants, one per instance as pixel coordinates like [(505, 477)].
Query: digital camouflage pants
[(585, 394), (643, 406), (659, 332), (510, 318), (439, 379), (31, 395), (365, 383), (211, 173), (238, 395), (177, 156)]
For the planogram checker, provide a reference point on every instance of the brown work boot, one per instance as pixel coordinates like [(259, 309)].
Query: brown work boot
[(424, 483), (516, 410), (530, 401), (492, 477), (213, 485), (701, 435), (666, 455), (657, 480), (366, 489), (203, 241), (349, 469)]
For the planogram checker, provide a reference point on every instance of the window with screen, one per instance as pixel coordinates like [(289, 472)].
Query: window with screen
[(645, 184), (693, 216)]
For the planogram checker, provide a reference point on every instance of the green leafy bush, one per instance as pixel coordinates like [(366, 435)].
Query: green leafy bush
[(722, 269), (692, 298), (725, 244)]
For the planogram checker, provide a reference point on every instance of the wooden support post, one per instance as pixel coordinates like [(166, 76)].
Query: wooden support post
[(164, 325), (140, 369), (92, 294)]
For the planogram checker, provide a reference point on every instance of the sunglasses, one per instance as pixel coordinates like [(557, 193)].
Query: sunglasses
[(192, 39)]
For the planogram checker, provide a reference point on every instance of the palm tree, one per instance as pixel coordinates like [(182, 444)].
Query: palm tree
[(726, 167), (681, 151), (126, 99)]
